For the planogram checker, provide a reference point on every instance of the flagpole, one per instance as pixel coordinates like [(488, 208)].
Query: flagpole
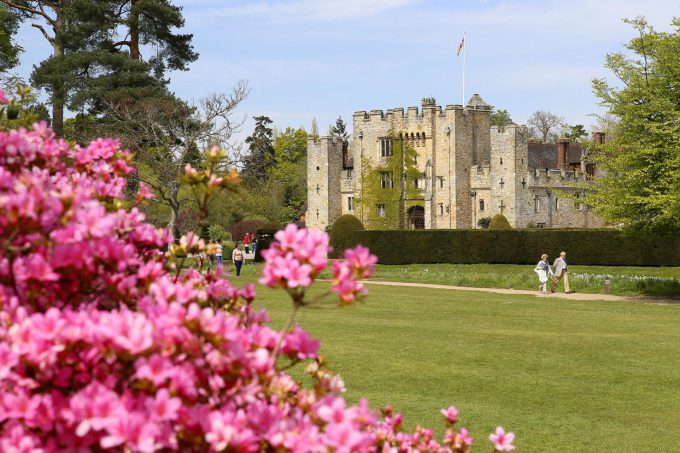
[(464, 64)]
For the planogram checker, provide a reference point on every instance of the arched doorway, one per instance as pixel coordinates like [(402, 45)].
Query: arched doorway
[(416, 218)]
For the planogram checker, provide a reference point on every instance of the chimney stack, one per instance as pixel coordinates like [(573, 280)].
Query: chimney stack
[(598, 137), (562, 149)]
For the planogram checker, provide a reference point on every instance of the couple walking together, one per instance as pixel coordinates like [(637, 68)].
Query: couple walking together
[(561, 272)]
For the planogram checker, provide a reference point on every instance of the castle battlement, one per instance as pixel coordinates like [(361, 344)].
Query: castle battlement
[(324, 139), (511, 129), (552, 177)]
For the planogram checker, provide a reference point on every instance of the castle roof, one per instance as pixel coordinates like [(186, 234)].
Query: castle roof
[(477, 101), (544, 155)]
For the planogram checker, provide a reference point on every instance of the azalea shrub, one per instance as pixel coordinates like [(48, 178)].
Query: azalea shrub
[(106, 345)]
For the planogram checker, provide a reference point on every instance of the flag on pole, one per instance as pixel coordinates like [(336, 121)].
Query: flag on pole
[(460, 47)]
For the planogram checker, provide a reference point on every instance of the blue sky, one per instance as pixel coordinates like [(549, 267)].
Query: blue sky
[(322, 58)]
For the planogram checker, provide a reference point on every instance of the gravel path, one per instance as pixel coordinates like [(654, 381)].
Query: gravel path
[(557, 295)]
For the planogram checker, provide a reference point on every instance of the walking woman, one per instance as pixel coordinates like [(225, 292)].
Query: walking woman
[(237, 258), (544, 271)]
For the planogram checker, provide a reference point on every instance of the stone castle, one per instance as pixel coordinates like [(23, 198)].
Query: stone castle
[(470, 170)]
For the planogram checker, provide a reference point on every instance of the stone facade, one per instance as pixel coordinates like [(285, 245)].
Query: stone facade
[(471, 170)]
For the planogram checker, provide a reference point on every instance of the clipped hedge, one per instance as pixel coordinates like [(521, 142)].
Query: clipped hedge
[(264, 236), (499, 222), (592, 247), (341, 233)]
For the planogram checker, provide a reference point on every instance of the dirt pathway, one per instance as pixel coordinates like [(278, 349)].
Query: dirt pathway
[(557, 295)]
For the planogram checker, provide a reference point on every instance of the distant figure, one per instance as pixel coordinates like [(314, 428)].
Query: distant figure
[(211, 251), (201, 261), (543, 270), (237, 258), (561, 272), (220, 250), (302, 221), (246, 241), (253, 243)]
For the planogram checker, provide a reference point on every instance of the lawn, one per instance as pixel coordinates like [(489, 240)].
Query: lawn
[(564, 375), (625, 281)]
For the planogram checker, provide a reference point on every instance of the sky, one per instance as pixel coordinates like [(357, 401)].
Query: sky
[(319, 59)]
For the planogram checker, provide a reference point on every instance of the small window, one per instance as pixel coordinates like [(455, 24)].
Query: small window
[(350, 203), (441, 182), (318, 189), (501, 161), (481, 205), (537, 203), (386, 180), (441, 209), (350, 173), (416, 183), (385, 147), (380, 209), (557, 204), (540, 225), (577, 204)]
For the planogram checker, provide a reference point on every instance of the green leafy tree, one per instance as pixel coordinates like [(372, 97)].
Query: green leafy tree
[(289, 171), (575, 133), (9, 49), (261, 153), (390, 189), (640, 187), (340, 129), (500, 117)]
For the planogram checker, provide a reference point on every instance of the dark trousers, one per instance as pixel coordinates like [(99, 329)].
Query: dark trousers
[(247, 248), (238, 265)]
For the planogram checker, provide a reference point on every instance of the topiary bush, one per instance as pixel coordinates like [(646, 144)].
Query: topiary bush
[(341, 233), (484, 222), (240, 228), (499, 222), (264, 236)]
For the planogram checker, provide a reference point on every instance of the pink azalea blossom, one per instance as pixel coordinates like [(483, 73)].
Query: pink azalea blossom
[(501, 440), (450, 414)]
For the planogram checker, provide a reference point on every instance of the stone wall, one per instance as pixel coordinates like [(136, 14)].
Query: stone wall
[(324, 175)]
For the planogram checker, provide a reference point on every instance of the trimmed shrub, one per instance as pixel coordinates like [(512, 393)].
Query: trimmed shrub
[(499, 222), (341, 233), (484, 222), (240, 228), (265, 236), (592, 247), (217, 233)]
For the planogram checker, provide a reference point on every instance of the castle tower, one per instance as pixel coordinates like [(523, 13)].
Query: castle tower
[(324, 173), (508, 172)]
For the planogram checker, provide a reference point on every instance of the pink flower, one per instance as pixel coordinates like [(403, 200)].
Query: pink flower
[(301, 344), (3, 98), (163, 407), (501, 440), (450, 414)]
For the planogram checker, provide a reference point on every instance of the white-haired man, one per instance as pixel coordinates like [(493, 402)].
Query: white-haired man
[(561, 272)]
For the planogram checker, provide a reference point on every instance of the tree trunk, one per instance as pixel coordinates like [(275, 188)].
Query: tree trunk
[(134, 31), (172, 225), (58, 93)]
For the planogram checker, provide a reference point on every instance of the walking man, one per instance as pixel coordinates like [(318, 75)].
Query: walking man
[(561, 272)]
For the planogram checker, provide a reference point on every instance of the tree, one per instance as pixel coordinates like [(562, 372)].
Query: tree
[(340, 129), (544, 125), (166, 135), (9, 49), (640, 187), (289, 170), (315, 127), (500, 117), (261, 155), (575, 132)]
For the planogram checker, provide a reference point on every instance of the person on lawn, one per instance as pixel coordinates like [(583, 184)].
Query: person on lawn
[(543, 270), (246, 241), (211, 251), (561, 273), (237, 258), (220, 249)]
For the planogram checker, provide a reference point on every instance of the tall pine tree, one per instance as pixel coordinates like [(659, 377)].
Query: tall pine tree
[(261, 155), (340, 129), (9, 49)]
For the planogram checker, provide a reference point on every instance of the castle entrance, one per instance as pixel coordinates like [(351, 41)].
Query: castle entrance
[(416, 218)]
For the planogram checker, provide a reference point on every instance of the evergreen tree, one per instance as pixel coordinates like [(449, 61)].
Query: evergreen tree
[(340, 129), (315, 128), (9, 49), (261, 152), (500, 117), (575, 132)]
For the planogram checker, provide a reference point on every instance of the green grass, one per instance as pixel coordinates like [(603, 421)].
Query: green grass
[(564, 375), (625, 281)]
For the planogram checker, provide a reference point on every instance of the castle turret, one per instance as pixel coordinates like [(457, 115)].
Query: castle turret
[(324, 179)]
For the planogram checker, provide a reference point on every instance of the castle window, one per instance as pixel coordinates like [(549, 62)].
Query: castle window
[(577, 204), (416, 183), (537, 203), (501, 161), (386, 180), (380, 210), (540, 225), (385, 147), (441, 209), (350, 173), (441, 181), (557, 204), (481, 205), (317, 168), (318, 189), (350, 203)]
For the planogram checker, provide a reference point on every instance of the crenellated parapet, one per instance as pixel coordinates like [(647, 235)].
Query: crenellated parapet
[(553, 177)]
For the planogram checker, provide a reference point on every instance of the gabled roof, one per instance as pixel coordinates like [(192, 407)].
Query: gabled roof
[(544, 155)]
